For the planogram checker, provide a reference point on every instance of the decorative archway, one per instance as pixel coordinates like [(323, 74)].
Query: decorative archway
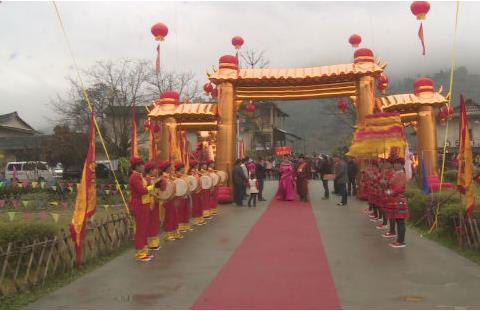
[(234, 84)]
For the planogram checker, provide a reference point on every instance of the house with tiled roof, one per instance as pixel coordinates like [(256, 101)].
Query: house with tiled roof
[(18, 140)]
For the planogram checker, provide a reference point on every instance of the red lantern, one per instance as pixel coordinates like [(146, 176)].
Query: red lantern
[(342, 105), (441, 114), (420, 9), (147, 124), (237, 42), (382, 83), (208, 88), (250, 107), (423, 87), (355, 40), (214, 93), (159, 31)]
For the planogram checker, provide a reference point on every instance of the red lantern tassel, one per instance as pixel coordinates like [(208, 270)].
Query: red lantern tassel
[(420, 35), (157, 64)]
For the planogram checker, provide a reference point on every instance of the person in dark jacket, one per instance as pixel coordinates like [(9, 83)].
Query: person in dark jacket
[(352, 171), (324, 169), (341, 177), (260, 172), (239, 183)]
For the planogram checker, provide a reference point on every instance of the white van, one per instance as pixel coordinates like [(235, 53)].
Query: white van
[(31, 170)]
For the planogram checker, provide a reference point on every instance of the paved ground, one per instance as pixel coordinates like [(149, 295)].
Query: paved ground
[(367, 273)]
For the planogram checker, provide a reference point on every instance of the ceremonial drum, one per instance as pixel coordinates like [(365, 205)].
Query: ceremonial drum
[(215, 179), (181, 187), (192, 183), (223, 176), (168, 192), (206, 182)]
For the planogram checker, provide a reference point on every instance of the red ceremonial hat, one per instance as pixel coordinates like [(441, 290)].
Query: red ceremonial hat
[(136, 161), (150, 165), (179, 165), (163, 164)]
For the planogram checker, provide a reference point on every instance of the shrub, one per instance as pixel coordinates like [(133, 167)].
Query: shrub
[(25, 232), (450, 176)]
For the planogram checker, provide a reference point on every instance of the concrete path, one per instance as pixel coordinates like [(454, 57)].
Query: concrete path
[(367, 273)]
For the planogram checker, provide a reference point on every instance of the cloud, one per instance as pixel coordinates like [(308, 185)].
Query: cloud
[(292, 33)]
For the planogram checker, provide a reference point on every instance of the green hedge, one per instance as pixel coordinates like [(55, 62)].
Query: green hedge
[(25, 232), (450, 176)]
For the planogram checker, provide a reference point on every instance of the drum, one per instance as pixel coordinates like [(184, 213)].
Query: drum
[(215, 178), (167, 193), (181, 187), (223, 176), (206, 182), (192, 183)]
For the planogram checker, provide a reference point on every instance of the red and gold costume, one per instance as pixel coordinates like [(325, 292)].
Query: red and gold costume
[(397, 203), (205, 195), (154, 217), (385, 178), (197, 211), (140, 199), (170, 224), (183, 204), (302, 174), (213, 191)]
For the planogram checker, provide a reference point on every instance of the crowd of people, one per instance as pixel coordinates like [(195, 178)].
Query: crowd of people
[(154, 202)]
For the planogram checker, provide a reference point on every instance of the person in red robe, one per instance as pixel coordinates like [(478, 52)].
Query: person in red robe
[(183, 203), (206, 196), (197, 211), (170, 225), (213, 191), (140, 206), (399, 208), (151, 172), (302, 175)]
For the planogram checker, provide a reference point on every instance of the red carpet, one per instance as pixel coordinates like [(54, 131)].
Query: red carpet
[(281, 264)]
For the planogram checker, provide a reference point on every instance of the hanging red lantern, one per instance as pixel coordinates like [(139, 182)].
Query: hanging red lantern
[(342, 105), (355, 40), (237, 42), (159, 31), (147, 124), (420, 9), (214, 93), (441, 114), (382, 83), (208, 88), (250, 108)]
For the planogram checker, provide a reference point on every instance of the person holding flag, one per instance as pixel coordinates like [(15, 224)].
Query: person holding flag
[(140, 199), (151, 172)]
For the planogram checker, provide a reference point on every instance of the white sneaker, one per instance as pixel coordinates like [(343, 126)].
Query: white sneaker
[(397, 245)]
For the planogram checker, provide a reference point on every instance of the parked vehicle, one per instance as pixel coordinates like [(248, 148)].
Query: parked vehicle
[(28, 170), (57, 171)]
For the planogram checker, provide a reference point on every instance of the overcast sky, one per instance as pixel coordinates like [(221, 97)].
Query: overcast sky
[(34, 60)]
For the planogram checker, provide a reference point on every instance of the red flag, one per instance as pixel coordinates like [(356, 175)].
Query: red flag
[(133, 140), (157, 64), (422, 40), (85, 202), (465, 183)]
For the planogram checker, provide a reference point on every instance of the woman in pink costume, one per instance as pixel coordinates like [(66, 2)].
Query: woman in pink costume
[(286, 185)]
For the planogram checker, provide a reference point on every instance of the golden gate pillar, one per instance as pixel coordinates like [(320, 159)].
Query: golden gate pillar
[(365, 98), (426, 126), (168, 102), (226, 134)]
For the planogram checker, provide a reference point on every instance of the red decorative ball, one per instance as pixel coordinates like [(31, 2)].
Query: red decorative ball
[(355, 40), (159, 31), (250, 107), (342, 105), (147, 124), (214, 93), (382, 83), (208, 88), (168, 97), (363, 55), (237, 42), (420, 9)]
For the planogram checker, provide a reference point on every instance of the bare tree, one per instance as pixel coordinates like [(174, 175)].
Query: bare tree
[(113, 87), (254, 59)]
